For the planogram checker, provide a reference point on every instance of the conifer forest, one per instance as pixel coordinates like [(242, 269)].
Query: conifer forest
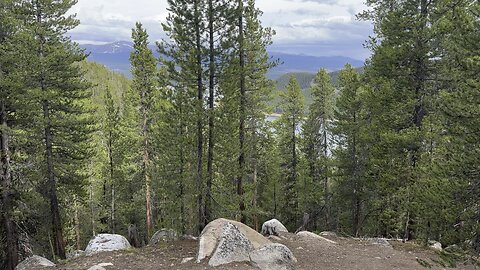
[(390, 150)]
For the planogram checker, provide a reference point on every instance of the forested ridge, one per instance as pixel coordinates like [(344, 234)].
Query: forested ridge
[(393, 151)]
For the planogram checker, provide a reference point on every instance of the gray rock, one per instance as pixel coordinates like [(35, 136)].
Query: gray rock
[(380, 241), (97, 267), (185, 260), (453, 249), (312, 236), (189, 237), (273, 227), (273, 257), (34, 261), (233, 246), (75, 254), (162, 236), (211, 234), (435, 245), (328, 234), (106, 242)]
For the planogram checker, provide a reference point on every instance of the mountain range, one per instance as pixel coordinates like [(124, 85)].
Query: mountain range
[(116, 55)]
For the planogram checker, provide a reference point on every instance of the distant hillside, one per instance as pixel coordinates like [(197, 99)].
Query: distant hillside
[(116, 57), (305, 80)]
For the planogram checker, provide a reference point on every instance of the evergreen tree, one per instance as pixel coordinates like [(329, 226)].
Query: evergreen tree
[(289, 124), (350, 157), (10, 89), (317, 143), (144, 79), (61, 120)]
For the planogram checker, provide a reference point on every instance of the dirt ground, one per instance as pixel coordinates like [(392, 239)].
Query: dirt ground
[(311, 254)]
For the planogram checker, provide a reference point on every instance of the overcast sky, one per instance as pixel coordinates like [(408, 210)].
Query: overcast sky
[(313, 27)]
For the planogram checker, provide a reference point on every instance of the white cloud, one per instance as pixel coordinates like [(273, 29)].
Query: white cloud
[(322, 22)]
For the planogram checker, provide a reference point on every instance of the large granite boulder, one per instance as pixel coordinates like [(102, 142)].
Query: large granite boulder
[(106, 242), (273, 227), (34, 261), (273, 257), (212, 234), (233, 246), (163, 235)]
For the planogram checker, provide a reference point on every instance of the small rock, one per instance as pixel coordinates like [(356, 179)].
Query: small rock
[(189, 237), (75, 254), (273, 257), (435, 245), (328, 234), (299, 248), (453, 249), (97, 267), (163, 235), (273, 227), (105, 264), (380, 241), (185, 260), (34, 261), (310, 235)]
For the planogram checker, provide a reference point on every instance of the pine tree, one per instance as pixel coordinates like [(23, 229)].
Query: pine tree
[(61, 120), (144, 71), (349, 154), (10, 90), (317, 146), (292, 106)]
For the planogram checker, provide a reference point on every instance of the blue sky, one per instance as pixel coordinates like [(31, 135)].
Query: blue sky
[(312, 27)]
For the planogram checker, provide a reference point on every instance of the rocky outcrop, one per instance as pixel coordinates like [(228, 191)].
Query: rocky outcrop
[(212, 233), (233, 246), (304, 235), (273, 257), (106, 242), (163, 235), (273, 227), (34, 261)]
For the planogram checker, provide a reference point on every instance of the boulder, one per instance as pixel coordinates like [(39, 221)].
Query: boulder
[(75, 254), (233, 246), (312, 236), (162, 236), (273, 227), (435, 245), (34, 261), (273, 257), (211, 234), (106, 242)]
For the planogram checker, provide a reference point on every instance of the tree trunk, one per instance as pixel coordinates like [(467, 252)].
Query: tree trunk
[(11, 243), (211, 116), (146, 167), (77, 223), (326, 196), (255, 181), (112, 183), (243, 102), (201, 217), (52, 186)]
